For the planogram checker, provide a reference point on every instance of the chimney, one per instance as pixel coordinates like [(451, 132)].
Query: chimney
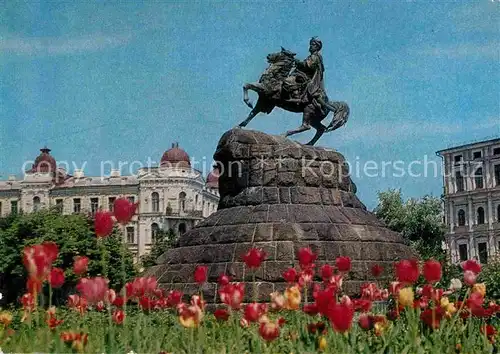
[(115, 173), (173, 145), (12, 177)]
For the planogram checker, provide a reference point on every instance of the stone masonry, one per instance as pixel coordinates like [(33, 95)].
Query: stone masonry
[(279, 195)]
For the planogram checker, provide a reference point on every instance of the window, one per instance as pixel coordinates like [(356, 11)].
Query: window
[(182, 201), (36, 203), (459, 180), (463, 252), (480, 215), (497, 175), (94, 205), (182, 228), (479, 178), (13, 206), (154, 231), (483, 252), (498, 216), (496, 151), (130, 234), (155, 202), (477, 155), (131, 199), (196, 201), (59, 205), (111, 203), (77, 205), (458, 158), (461, 217)]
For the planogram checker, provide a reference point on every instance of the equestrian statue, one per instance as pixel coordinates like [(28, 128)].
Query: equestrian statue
[(296, 86)]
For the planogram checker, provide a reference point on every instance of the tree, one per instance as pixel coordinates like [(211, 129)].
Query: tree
[(418, 220), (74, 235), (162, 242)]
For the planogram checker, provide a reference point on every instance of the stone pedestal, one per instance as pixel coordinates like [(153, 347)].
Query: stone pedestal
[(280, 196)]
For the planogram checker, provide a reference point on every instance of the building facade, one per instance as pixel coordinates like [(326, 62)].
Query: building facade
[(171, 196), (472, 200)]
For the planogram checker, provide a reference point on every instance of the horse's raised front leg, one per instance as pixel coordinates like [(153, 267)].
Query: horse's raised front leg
[(254, 87)]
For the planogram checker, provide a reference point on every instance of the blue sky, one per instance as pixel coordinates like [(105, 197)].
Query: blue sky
[(121, 81)]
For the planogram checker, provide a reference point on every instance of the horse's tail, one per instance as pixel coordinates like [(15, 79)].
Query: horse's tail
[(340, 115)]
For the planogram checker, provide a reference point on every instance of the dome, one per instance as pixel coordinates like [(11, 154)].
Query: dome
[(45, 163), (175, 157), (213, 178)]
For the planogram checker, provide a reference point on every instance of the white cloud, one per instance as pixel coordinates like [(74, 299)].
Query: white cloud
[(61, 45)]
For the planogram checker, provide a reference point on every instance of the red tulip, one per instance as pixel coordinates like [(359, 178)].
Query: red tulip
[(254, 257), (377, 270), (472, 266), (174, 298), (200, 274), (38, 259), (326, 272), (141, 286), (343, 264), (221, 314), (56, 279), (118, 316), (306, 257), (223, 279), (232, 295), (432, 317), (269, 331), (80, 265), (93, 289), (124, 210), (340, 316), (407, 271), (290, 275), (470, 277), (432, 271), (254, 311), (103, 223)]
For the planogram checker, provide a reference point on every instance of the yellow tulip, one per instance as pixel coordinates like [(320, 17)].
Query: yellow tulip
[(406, 297)]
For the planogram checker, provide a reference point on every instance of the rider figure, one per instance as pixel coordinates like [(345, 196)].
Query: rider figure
[(312, 68)]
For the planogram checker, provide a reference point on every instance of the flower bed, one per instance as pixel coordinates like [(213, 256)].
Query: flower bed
[(309, 315)]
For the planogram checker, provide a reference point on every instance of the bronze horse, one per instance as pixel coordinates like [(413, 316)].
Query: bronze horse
[(273, 92)]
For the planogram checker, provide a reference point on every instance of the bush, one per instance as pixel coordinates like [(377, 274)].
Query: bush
[(74, 235)]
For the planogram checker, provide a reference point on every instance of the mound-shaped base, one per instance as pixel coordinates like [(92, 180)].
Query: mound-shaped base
[(280, 196)]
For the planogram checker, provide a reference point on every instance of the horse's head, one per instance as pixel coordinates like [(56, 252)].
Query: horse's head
[(283, 56)]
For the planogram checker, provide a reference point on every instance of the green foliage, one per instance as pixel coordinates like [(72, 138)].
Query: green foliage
[(418, 220), (74, 235), (160, 331), (490, 274), (162, 242)]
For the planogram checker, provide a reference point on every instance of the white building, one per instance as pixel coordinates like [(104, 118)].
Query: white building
[(472, 200), (172, 196)]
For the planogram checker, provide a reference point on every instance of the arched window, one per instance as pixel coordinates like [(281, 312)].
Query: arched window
[(36, 203), (155, 202), (196, 201), (182, 201), (461, 217), (182, 228), (480, 215), (479, 178), (154, 231), (498, 213)]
